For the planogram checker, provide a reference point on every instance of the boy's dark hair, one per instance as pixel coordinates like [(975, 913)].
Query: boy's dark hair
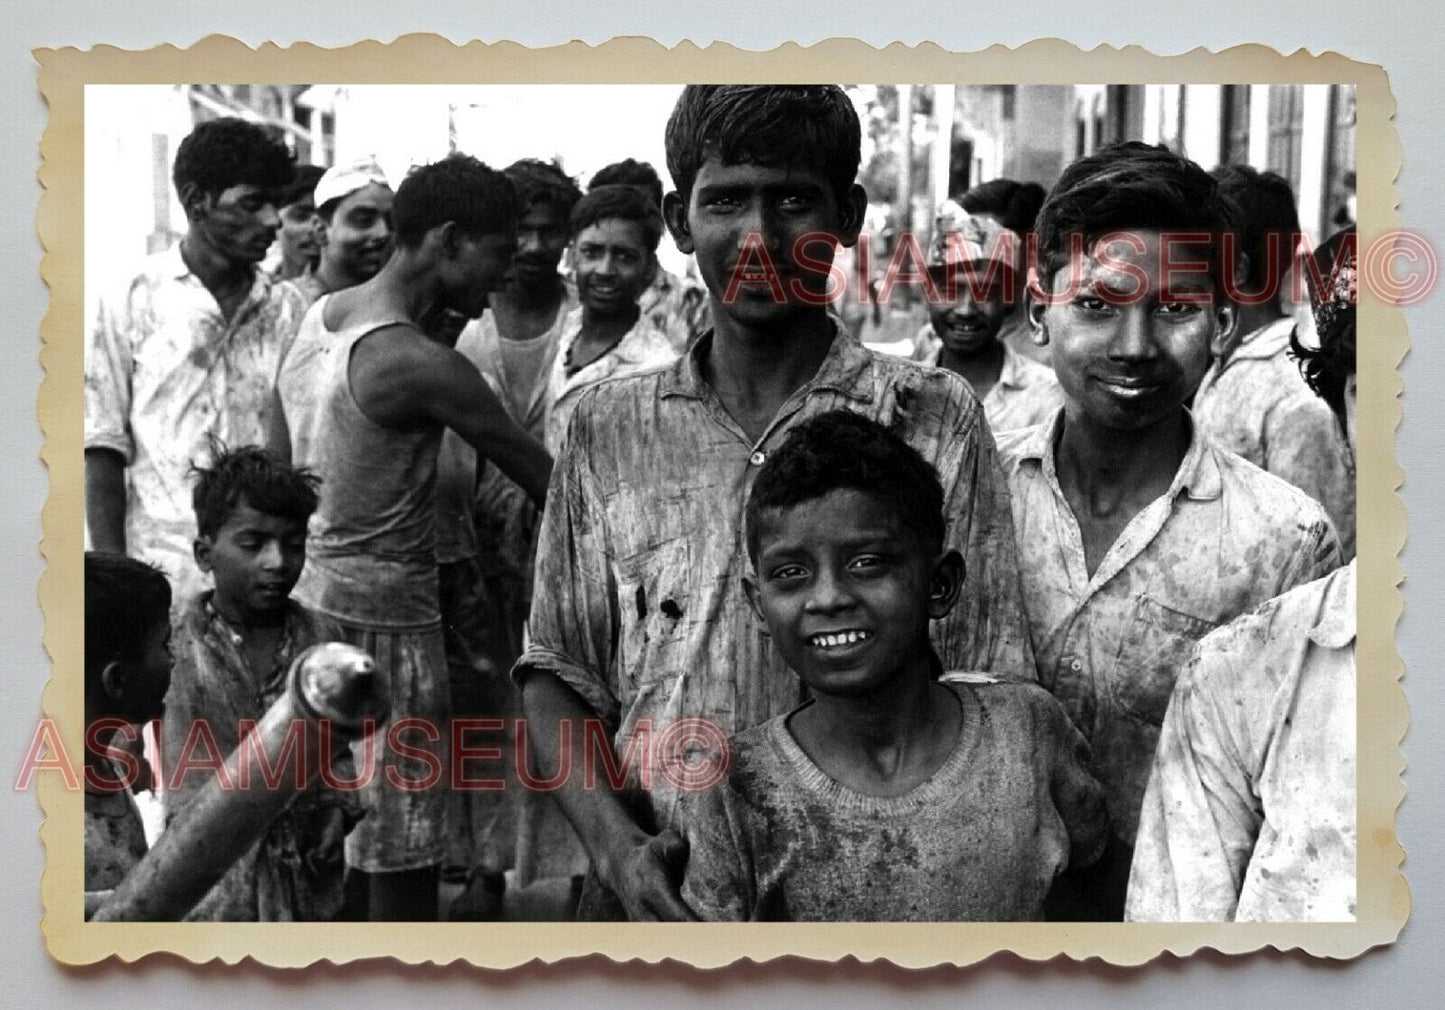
[(841, 450), (457, 188), (1131, 186), (302, 185), (626, 203), (1326, 368), (1015, 204), (541, 182), (1266, 207), (221, 153), (810, 126), (125, 599), (267, 483), (630, 172)]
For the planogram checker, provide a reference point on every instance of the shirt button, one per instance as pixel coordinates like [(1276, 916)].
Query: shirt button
[(757, 458), (1076, 666)]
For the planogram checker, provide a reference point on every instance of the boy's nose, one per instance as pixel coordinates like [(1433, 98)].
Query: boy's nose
[(830, 594), (1134, 336)]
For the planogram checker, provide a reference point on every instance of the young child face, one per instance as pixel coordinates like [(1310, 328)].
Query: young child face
[(613, 265), (255, 559), (845, 591), (778, 206), (971, 321), (1128, 350)]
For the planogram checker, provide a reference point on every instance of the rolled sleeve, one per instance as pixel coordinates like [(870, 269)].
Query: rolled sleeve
[(108, 365), (574, 618)]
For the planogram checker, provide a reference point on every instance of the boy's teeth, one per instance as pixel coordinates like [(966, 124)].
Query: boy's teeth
[(842, 638)]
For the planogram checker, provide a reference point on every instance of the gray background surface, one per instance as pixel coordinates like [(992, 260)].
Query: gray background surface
[(1405, 37)]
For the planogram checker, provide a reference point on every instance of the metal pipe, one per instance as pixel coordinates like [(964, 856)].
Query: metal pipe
[(331, 685)]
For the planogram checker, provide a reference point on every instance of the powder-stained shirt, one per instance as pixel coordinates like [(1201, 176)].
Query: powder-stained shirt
[(115, 839), (1026, 393), (1258, 405), (639, 605), (1250, 814), (283, 877), (1225, 537), (982, 839), (164, 372), (677, 307), (641, 348)]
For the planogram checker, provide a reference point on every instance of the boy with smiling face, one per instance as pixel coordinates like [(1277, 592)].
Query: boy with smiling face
[(975, 265), (1136, 533), (353, 227), (615, 231), (639, 619), (889, 796)]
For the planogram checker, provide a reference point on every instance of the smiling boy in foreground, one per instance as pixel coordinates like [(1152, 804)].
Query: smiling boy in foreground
[(890, 796)]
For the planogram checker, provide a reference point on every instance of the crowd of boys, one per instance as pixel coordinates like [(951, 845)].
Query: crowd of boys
[(1054, 619)]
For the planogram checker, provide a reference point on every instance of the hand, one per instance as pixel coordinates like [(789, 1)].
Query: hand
[(330, 839), (646, 878)]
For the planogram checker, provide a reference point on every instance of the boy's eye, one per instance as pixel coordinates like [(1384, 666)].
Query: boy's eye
[(795, 201), (867, 564), (1092, 303), (1179, 308), (787, 573)]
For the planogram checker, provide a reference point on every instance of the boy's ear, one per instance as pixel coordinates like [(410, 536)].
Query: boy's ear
[(1035, 306), (193, 198), (449, 239), (113, 681), (750, 589), (1225, 321), (674, 215), (201, 550), (852, 213), (945, 585)]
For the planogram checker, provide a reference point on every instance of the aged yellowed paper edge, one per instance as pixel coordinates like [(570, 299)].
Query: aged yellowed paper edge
[(1383, 898)]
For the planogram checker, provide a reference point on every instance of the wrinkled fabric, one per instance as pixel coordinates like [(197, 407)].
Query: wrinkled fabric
[(641, 348), (1026, 393), (981, 840), (1224, 538), (1259, 406), (640, 607), (115, 838), (284, 877), (677, 307), (1250, 814), (164, 373)]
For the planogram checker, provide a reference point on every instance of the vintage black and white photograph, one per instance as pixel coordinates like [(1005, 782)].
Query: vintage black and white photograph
[(821, 503)]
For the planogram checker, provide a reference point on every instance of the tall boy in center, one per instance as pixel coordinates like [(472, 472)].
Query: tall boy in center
[(640, 613)]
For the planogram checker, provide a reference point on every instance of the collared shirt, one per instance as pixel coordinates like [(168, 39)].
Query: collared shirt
[(677, 307), (639, 604), (1258, 405), (1250, 814), (164, 373), (1223, 538), (642, 347), (1026, 393), (215, 685)]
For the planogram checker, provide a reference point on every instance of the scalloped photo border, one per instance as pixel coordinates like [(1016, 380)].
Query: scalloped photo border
[(1383, 899)]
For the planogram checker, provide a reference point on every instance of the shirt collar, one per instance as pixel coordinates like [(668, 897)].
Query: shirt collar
[(1011, 374), (1265, 342), (1336, 627), (847, 369), (1197, 477), (177, 269)]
